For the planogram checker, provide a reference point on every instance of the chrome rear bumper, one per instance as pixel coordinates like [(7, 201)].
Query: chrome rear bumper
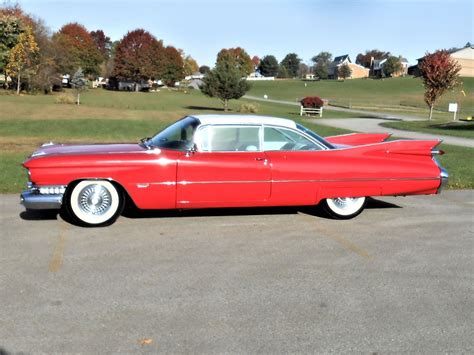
[(34, 200), (444, 176)]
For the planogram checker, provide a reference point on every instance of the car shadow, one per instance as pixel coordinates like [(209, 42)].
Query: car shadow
[(38, 215), (204, 108), (134, 213)]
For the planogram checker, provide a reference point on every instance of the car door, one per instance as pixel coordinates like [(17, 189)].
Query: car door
[(227, 169), (295, 169)]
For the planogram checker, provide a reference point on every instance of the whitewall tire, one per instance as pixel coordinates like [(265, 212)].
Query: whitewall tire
[(95, 202), (344, 207)]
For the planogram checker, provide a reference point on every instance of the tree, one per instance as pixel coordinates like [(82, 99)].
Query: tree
[(79, 84), (21, 56), (204, 69), (268, 66), (225, 80), (190, 65), (10, 29), (171, 68), (344, 71), (283, 72), (321, 64), (291, 62), (366, 59), (255, 61), (392, 65), (439, 72), (76, 48), (241, 58), (138, 56), (102, 43), (303, 69)]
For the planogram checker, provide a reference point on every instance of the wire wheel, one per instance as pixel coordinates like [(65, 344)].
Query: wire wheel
[(95, 202)]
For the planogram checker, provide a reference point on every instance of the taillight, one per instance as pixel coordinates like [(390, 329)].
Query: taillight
[(437, 152)]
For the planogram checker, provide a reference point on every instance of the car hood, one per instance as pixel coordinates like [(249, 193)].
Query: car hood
[(67, 149)]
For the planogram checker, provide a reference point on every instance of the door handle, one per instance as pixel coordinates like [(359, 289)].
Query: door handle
[(260, 159)]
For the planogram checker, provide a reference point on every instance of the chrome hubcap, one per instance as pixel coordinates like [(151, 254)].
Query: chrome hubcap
[(344, 202), (95, 199)]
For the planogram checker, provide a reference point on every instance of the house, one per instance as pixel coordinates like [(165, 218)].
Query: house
[(376, 67), (256, 75), (463, 56), (357, 71)]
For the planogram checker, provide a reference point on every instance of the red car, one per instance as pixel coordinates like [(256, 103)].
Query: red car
[(229, 161)]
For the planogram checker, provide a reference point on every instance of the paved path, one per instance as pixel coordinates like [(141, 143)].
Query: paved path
[(396, 279), (373, 124)]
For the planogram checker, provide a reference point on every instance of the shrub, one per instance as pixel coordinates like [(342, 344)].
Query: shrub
[(312, 102), (65, 99), (248, 108)]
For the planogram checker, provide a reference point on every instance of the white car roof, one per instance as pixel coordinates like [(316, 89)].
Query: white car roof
[(244, 119)]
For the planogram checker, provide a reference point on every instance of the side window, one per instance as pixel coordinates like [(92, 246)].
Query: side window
[(285, 139), (229, 138)]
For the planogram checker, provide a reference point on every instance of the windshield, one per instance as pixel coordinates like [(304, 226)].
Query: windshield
[(314, 135), (178, 136)]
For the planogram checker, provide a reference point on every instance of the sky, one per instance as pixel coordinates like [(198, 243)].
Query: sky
[(306, 27)]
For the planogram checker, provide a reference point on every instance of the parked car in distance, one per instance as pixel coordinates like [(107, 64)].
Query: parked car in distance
[(210, 161)]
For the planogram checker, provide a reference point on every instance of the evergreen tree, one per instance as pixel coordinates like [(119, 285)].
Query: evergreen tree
[(79, 84), (225, 81)]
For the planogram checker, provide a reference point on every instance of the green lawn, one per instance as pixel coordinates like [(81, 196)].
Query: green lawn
[(105, 116), (398, 95), (458, 128)]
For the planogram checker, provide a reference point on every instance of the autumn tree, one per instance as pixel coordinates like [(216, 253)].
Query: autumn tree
[(102, 43), (268, 66), (255, 61), (321, 64), (366, 58), (76, 48), (138, 56), (171, 67), (225, 80), (241, 58), (392, 65), (344, 71), (291, 63), (21, 56), (190, 65), (439, 72)]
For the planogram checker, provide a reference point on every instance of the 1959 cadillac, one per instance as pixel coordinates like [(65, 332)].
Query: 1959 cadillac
[(229, 161)]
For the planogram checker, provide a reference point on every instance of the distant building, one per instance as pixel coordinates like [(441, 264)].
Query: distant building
[(357, 71), (257, 76), (463, 56), (376, 68)]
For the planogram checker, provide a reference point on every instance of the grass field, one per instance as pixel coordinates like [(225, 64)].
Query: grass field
[(454, 128), (402, 95), (105, 116)]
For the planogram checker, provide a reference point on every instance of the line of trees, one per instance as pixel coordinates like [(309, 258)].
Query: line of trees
[(35, 59)]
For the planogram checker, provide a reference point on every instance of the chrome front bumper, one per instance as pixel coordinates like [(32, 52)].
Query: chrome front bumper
[(33, 199)]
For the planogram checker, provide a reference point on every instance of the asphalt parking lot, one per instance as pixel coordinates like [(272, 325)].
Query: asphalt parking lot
[(398, 278)]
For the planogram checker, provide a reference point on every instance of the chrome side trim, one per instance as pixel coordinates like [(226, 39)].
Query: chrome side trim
[(33, 200), (304, 181)]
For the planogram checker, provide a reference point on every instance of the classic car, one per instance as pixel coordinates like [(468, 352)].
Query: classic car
[(211, 161)]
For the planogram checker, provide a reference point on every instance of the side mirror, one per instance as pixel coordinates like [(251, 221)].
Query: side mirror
[(190, 151)]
